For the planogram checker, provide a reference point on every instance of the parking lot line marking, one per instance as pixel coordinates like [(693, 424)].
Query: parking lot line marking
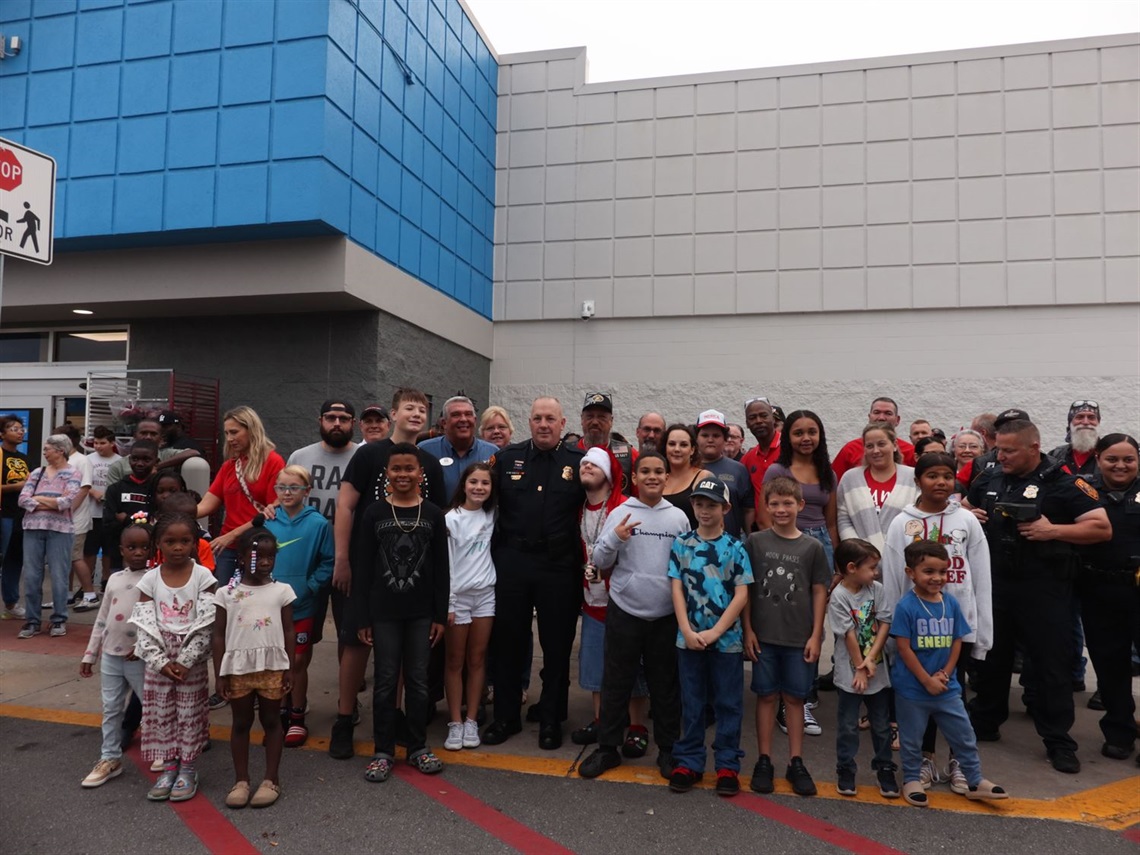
[(817, 828), (205, 821), (496, 823), (1113, 807)]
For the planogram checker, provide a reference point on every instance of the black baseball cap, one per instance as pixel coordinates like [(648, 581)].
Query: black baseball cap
[(169, 417), (337, 405), (599, 399), (711, 488), (375, 410), (1010, 415)]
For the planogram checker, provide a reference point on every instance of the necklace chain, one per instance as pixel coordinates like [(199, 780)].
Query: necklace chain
[(400, 525), (929, 613)]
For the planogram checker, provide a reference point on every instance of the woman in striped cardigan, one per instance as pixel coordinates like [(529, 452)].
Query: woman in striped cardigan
[(869, 497)]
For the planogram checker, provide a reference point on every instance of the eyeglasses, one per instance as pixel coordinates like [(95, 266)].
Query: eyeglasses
[(290, 488), (1081, 405), (328, 417)]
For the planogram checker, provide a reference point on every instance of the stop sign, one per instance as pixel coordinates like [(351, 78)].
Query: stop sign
[(11, 172)]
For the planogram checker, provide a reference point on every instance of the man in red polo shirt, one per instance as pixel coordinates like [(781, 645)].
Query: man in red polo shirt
[(883, 411), (761, 421)]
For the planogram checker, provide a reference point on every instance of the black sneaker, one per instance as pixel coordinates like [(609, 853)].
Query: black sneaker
[(75, 598), (500, 731), (585, 735), (798, 777), (340, 743), (598, 762), (665, 763), (727, 783), (1064, 760), (782, 717), (762, 775), (1095, 702), (217, 702), (682, 780), (845, 785), (888, 783), (1116, 752)]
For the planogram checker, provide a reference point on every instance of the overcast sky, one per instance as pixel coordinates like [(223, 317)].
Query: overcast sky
[(628, 39)]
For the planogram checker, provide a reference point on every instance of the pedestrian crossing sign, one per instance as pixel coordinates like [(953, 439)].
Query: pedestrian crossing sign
[(27, 203)]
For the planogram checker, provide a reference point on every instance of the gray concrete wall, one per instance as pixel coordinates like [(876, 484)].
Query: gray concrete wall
[(285, 365)]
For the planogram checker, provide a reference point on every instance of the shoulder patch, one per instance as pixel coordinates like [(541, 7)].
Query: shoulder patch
[(1088, 489), (491, 460)]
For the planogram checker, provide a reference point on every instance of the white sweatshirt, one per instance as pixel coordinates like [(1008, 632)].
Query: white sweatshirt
[(640, 582), (469, 547), (968, 578)]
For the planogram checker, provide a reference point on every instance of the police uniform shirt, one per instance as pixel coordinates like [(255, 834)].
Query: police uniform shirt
[(1058, 497), (1120, 555), (539, 496)]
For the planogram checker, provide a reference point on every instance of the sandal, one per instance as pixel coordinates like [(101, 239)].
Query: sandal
[(160, 792), (986, 790), (297, 733), (914, 794), (378, 769), (864, 723), (894, 737), (185, 786), (427, 763), (239, 795), (636, 743), (266, 795)]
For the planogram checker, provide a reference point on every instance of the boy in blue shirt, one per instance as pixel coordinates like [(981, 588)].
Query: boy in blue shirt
[(928, 628), (711, 574)]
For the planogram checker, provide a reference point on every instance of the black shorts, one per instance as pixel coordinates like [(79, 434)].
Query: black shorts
[(93, 541), (320, 611), (343, 620)]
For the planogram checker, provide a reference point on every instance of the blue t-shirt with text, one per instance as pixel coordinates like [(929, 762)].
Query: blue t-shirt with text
[(931, 628), (709, 571)]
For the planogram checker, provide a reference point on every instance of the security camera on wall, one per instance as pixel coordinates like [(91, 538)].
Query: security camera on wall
[(587, 310)]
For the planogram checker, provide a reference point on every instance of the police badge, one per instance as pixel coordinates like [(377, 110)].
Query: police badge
[(1031, 491), (567, 473)]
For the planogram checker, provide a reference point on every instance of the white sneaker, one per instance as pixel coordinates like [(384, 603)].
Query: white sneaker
[(811, 726), (957, 778), (18, 611), (454, 741), (104, 771), (928, 774), (471, 734)]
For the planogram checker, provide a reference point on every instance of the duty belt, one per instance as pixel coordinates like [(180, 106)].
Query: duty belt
[(1123, 575)]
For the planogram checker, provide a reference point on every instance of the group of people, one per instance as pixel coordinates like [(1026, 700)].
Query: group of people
[(930, 558)]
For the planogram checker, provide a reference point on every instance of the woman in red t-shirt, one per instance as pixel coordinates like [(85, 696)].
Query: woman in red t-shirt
[(244, 486), (870, 497)]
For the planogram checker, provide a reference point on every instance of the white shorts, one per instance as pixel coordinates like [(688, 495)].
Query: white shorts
[(479, 602)]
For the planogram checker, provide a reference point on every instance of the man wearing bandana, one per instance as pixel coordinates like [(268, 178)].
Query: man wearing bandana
[(1077, 453)]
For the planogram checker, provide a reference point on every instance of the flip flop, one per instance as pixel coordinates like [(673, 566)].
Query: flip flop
[(986, 790)]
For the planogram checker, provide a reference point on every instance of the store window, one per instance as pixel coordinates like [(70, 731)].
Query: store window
[(24, 346), (92, 346)]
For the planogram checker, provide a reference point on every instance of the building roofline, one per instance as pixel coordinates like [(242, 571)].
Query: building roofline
[(957, 55)]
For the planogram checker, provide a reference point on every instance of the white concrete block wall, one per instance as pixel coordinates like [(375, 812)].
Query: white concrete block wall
[(971, 190)]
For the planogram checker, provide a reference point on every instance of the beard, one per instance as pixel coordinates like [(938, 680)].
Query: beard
[(335, 438), (1083, 439), (593, 438)]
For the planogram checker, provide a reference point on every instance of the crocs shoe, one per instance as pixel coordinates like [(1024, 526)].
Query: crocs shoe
[(379, 769)]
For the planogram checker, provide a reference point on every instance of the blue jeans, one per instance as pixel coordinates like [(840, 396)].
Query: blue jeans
[(54, 549), (821, 534), (225, 563), (119, 676), (716, 678), (847, 730), (950, 715)]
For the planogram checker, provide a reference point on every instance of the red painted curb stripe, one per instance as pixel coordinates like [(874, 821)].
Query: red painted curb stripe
[(1132, 834), (817, 828), (513, 833), (205, 821)]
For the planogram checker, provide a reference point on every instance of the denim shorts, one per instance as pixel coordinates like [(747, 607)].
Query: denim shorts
[(591, 659), (782, 669)]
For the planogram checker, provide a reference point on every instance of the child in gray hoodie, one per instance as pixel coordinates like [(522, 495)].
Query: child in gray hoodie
[(633, 551)]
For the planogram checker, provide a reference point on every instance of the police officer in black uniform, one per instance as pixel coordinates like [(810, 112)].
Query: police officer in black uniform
[(1033, 514), (1109, 587), (538, 563)]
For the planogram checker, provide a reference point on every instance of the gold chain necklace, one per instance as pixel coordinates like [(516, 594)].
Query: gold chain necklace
[(400, 525)]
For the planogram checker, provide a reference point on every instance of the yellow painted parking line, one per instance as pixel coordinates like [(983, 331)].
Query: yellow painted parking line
[(1113, 807)]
